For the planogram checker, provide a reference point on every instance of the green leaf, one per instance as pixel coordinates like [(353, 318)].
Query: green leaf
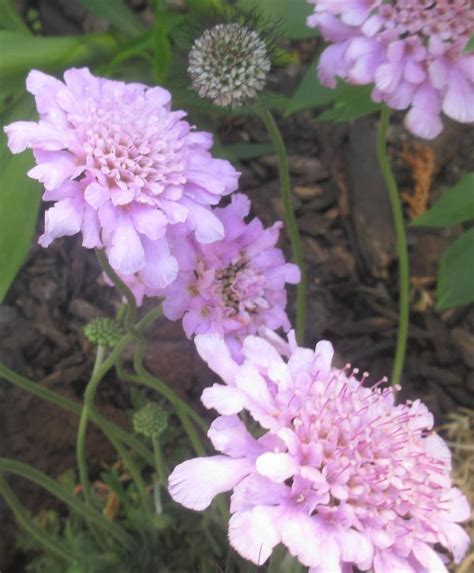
[(350, 102), (310, 93), (19, 201), (21, 53), (456, 273), (247, 151), (289, 15), (455, 206), (117, 13), (10, 19)]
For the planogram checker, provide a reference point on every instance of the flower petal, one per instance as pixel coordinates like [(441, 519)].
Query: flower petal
[(196, 482)]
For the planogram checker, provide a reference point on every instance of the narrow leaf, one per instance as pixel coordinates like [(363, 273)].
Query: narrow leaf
[(455, 206), (310, 93), (21, 53), (19, 201), (117, 13), (456, 273), (289, 15), (350, 102)]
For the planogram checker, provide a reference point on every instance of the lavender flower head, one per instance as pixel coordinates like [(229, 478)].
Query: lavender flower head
[(121, 167), (413, 50), (231, 287), (340, 475)]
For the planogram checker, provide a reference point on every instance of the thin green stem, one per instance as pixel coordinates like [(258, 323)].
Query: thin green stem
[(109, 428), (289, 214), (403, 262), (183, 411), (35, 476), (159, 462), (83, 422), (24, 520), (122, 287)]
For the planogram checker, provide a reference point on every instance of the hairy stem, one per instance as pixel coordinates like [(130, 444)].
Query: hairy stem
[(290, 219), (403, 263)]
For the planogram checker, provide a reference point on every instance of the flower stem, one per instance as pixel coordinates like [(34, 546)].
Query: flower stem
[(403, 263), (25, 521), (183, 411), (289, 214), (159, 462)]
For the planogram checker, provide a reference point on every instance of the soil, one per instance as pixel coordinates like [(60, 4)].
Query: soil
[(344, 216)]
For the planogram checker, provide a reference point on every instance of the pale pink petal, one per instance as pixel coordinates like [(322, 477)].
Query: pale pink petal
[(254, 533), (53, 168), (91, 229), (96, 195), (44, 87), (258, 490), (196, 482), (148, 221), (225, 399), (62, 220), (300, 533), (277, 467), (458, 102), (229, 436), (213, 350), (428, 558), (161, 267), (27, 134), (455, 539), (207, 227)]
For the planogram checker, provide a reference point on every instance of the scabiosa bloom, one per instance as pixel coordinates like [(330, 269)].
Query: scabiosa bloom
[(234, 286), (228, 64), (340, 474), (412, 51), (121, 167)]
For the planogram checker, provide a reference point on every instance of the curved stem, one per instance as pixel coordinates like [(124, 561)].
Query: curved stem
[(159, 462), (34, 475), (183, 411), (122, 287), (290, 219), (403, 262), (106, 426), (25, 521)]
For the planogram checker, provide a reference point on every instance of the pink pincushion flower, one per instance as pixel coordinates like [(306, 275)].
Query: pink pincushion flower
[(121, 168), (341, 475), (413, 51), (231, 287)]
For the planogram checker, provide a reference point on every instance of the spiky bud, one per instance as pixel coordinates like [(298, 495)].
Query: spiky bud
[(104, 331), (228, 64), (151, 420)]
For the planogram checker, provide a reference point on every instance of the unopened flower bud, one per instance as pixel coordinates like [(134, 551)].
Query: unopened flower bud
[(151, 420), (104, 331)]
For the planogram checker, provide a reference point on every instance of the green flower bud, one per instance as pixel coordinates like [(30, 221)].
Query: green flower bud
[(104, 331), (151, 420)]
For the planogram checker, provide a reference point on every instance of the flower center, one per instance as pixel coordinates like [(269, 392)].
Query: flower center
[(448, 20), (241, 288), (132, 145)]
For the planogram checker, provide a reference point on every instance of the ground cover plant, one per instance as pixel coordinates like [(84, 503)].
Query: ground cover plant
[(206, 297)]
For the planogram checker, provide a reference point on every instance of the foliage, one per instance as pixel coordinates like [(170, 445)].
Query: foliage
[(456, 271)]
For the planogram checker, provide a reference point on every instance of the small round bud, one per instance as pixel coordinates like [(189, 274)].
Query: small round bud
[(104, 331), (228, 65), (151, 420)]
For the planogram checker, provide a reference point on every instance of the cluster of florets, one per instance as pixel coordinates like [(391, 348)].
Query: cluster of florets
[(104, 331), (340, 474), (228, 64), (413, 51), (231, 287), (121, 168), (150, 421)]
